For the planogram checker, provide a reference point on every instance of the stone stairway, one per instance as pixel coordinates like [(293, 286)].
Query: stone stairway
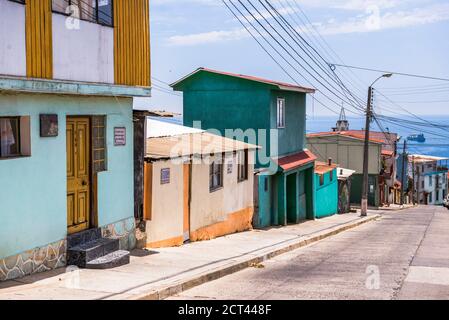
[(88, 249)]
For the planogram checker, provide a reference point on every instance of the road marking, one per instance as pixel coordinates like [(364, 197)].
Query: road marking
[(428, 275)]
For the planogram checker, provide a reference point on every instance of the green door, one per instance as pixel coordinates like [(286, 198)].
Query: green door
[(292, 200)]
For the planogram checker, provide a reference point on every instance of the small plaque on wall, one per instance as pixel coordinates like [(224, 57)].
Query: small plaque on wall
[(165, 176), (229, 168), (119, 136), (49, 125)]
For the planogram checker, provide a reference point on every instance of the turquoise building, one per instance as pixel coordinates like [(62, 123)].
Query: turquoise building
[(270, 114), (326, 190), (66, 133)]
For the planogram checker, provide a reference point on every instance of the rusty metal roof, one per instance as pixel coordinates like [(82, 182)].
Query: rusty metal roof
[(296, 160), (323, 167), (186, 145), (281, 85)]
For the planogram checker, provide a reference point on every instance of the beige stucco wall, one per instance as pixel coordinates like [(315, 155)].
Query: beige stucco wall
[(167, 204), (347, 152), (210, 208)]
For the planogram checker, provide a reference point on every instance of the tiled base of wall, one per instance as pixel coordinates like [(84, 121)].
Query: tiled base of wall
[(124, 230), (53, 256), (42, 259)]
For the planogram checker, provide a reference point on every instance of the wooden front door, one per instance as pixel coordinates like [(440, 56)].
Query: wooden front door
[(78, 174), (186, 202)]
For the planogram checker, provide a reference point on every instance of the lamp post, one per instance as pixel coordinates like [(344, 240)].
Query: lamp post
[(364, 204)]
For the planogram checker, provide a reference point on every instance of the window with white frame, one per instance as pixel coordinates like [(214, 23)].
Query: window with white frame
[(430, 180), (281, 113)]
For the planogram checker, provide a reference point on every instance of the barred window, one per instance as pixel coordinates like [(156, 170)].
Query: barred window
[(216, 174), (99, 150), (242, 164)]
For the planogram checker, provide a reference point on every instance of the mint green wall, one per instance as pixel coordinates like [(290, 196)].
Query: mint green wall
[(326, 196), (33, 210)]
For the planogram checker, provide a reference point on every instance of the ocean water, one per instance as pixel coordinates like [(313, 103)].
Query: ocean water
[(434, 145)]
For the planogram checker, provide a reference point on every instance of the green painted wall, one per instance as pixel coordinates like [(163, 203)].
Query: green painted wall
[(222, 102), (326, 195), (33, 209), (292, 137)]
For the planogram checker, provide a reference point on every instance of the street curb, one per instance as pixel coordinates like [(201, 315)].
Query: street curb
[(220, 271)]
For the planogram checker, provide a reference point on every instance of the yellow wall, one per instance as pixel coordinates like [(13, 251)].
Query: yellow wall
[(39, 50), (132, 42)]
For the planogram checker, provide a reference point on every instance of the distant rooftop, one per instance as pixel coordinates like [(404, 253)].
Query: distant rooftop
[(419, 158), (281, 85), (355, 134)]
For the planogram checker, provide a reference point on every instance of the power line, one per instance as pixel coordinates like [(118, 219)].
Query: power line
[(393, 72), (261, 17), (273, 48)]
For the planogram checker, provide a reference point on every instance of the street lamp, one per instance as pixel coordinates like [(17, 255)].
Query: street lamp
[(364, 204)]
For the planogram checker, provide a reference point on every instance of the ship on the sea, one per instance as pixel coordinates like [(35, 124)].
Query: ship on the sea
[(417, 138)]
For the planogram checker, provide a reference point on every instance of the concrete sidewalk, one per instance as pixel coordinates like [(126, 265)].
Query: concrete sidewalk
[(160, 273)]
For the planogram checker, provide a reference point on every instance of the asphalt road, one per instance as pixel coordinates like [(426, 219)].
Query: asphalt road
[(403, 255)]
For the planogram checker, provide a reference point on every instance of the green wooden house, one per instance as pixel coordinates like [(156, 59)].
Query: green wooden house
[(326, 189), (270, 114)]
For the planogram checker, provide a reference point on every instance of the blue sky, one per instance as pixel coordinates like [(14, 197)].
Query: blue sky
[(409, 36)]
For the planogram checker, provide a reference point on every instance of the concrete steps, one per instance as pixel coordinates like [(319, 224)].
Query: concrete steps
[(89, 250)]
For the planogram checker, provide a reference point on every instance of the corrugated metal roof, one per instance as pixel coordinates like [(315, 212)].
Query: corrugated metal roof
[(281, 85), (344, 173), (296, 160), (157, 128), (185, 145), (323, 167)]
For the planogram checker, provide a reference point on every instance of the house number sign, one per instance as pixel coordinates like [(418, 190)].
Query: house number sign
[(119, 136)]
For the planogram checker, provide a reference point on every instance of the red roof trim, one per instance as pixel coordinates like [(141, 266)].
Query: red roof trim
[(296, 160), (388, 153)]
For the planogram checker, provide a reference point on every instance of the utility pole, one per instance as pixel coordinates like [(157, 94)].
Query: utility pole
[(364, 202), (403, 172)]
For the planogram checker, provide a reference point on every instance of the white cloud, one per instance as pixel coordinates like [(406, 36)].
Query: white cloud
[(388, 20), (208, 37), (373, 19)]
